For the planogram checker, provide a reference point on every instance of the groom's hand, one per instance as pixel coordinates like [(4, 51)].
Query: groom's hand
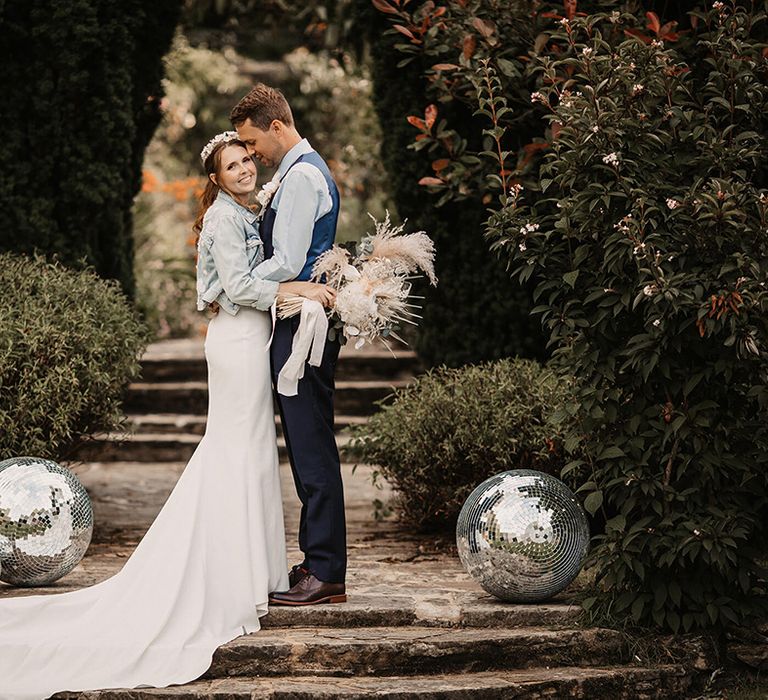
[(321, 292)]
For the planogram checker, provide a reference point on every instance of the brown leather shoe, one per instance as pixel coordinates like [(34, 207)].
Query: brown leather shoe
[(297, 573), (310, 591)]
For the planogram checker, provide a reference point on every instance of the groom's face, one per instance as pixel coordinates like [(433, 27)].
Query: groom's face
[(265, 146)]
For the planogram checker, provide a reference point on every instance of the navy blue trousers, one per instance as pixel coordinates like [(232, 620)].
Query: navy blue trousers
[(307, 420)]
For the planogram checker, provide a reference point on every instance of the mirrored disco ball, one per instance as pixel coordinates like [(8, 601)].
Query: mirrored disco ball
[(46, 521), (522, 535)]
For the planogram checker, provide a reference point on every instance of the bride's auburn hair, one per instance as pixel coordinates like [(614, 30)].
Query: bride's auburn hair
[(211, 191)]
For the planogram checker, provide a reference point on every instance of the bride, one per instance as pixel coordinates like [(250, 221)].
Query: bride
[(202, 574)]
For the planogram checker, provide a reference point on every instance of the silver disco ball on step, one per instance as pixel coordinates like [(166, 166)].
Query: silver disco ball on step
[(522, 535), (46, 521)]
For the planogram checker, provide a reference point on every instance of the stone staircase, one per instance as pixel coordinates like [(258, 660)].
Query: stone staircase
[(166, 408), (416, 627)]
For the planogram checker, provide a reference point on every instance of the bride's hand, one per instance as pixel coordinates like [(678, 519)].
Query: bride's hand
[(317, 292)]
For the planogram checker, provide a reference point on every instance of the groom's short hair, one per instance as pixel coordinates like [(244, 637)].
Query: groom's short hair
[(262, 105)]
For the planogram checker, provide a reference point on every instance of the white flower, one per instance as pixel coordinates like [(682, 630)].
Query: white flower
[(637, 88), (719, 6), (564, 21), (611, 159), (639, 249), (265, 194), (538, 97), (522, 247), (587, 51), (763, 198), (673, 203), (515, 189), (657, 44), (615, 16), (657, 322), (741, 280), (595, 128), (650, 289)]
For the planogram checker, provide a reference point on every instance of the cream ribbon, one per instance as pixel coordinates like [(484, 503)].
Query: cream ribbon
[(308, 346)]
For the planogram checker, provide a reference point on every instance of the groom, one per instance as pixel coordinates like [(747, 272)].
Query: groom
[(299, 225)]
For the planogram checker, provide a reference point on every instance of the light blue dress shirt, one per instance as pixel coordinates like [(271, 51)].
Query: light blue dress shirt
[(302, 198)]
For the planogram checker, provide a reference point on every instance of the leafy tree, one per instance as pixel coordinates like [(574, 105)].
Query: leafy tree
[(647, 237), (81, 89), (476, 313)]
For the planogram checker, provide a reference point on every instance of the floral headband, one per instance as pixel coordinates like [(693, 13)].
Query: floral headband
[(215, 141)]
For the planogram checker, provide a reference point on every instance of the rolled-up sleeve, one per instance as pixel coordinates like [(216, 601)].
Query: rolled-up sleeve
[(230, 257)]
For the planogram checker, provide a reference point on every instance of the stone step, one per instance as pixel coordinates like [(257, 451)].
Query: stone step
[(153, 447), (377, 651), (190, 424), (616, 683), (371, 610), (352, 397), (380, 365)]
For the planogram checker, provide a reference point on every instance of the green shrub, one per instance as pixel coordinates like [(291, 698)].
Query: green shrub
[(650, 248), (81, 86), (476, 313), (453, 428), (69, 343)]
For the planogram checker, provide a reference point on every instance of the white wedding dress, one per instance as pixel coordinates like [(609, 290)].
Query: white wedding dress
[(200, 576)]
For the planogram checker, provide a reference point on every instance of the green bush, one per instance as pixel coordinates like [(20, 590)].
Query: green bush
[(81, 97), (453, 428), (69, 343), (476, 313), (649, 243)]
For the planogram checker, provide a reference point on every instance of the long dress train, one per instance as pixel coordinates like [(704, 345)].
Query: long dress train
[(200, 576)]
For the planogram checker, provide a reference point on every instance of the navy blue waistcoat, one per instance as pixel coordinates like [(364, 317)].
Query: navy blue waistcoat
[(324, 232)]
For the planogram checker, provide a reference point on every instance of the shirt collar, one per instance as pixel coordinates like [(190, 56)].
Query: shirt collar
[(300, 149), (245, 212)]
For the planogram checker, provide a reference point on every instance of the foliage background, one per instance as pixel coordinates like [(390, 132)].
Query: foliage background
[(63, 365), (81, 91)]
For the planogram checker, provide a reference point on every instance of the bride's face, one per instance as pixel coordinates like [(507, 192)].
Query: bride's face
[(237, 172)]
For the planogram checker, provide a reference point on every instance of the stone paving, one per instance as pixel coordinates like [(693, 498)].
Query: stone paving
[(415, 625)]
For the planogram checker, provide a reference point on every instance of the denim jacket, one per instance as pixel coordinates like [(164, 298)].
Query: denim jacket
[(228, 250)]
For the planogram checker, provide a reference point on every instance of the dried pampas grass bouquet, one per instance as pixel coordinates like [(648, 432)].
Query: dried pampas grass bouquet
[(373, 285)]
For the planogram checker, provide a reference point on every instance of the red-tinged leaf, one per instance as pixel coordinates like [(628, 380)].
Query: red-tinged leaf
[(638, 35), (654, 24), (570, 8), (550, 15), (468, 47), (383, 6), (421, 137), (427, 181), (557, 127), (430, 114), (445, 66), (533, 147), (440, 164), (484, 26), (765, 52), (404, 30), (418, 123), (694, 21), (439, 12), (668, 27)]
